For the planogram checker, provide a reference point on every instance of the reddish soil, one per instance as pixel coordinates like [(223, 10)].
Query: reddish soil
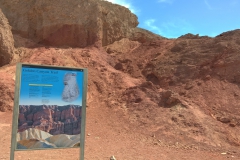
[(106, 139), (162, 99)]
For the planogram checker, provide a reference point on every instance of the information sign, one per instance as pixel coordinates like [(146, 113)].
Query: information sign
[(49, 108)]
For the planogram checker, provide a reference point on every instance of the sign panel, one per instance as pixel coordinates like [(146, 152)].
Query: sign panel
[(50, 109)]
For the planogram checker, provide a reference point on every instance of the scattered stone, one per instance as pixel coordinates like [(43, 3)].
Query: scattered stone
[(199, 83), (223, 119), (118, 66), (182, 93), (208, 77), (236, 94), (189, 86), (138, 100), (174, 119), (232, 124), (112, 158)]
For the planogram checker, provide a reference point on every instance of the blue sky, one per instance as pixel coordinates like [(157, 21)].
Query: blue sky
[(173, 18)]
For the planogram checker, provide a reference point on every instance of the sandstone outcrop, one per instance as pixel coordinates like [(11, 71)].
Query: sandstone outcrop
[(6, 41), (75, 23), (51, 119)]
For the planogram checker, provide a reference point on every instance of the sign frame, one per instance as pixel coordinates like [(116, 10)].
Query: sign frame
[(18, 76)]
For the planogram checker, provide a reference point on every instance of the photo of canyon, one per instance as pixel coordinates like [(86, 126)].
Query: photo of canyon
[(48, 126)]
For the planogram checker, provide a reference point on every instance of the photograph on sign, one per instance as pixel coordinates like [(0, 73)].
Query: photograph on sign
[(50, 105)]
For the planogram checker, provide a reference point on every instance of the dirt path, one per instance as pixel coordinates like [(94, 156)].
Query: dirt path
[(102, 141)]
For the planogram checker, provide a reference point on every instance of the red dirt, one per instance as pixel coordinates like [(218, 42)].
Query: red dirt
[(163, 99)]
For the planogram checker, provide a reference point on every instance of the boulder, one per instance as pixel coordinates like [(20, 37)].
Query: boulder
[(6, 41)]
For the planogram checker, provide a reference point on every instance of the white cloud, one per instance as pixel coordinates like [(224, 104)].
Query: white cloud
[(125, 3), (234, 3), (150, 24), (208, 5), (170, 29), (166, 1), (176, 27)]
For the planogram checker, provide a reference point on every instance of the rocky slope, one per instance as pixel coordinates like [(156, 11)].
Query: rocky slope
[(143, 90), (191, 83), (51, 119)]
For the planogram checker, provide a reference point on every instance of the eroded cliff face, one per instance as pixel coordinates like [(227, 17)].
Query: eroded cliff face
[(75, 23), (52, 119), (6, 41)]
